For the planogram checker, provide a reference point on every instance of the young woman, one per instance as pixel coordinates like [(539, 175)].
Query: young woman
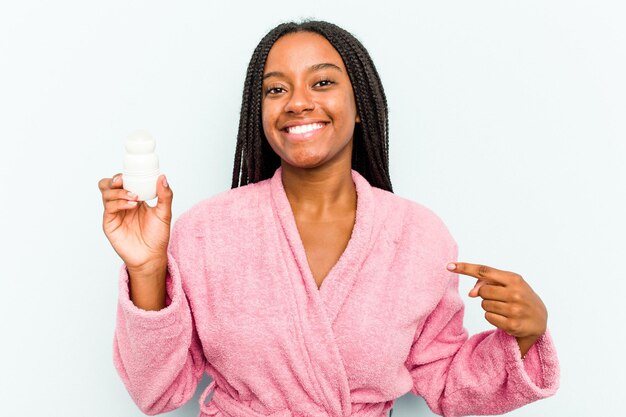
[(309, 288)]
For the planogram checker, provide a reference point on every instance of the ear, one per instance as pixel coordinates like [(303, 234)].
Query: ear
[(358, 119)]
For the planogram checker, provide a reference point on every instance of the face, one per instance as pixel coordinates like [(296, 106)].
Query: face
[(308, 104)]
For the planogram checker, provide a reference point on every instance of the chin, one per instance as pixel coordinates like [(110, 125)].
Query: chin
[(305, 159), (305, 163)]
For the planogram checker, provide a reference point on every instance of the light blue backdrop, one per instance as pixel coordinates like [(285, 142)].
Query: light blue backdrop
[(507, 119)]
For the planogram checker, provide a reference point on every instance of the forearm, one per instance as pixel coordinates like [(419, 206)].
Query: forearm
[(159, 376), (493, 379)]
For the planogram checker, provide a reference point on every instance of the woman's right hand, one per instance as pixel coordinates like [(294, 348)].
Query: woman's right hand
[(138, 233)]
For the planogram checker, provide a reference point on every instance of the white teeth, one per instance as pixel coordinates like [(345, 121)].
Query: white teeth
[(305, 128)]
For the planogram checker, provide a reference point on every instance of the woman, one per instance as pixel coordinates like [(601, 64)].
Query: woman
[(309, 288)]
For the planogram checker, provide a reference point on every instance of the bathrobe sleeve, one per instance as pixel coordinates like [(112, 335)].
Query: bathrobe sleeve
[(158, 353), (482, 374)]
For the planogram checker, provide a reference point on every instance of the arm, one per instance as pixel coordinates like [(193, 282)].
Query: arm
[(158, 354), (483, 374)]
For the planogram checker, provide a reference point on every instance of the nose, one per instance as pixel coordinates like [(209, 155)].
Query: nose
[(299, 101)]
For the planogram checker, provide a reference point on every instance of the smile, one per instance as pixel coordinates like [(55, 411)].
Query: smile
[(302, 129)]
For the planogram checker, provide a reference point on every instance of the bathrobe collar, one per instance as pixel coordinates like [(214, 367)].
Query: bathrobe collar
[(315, 308), (339, 280)]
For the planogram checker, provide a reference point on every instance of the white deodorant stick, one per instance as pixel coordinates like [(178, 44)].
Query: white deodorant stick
[(141, 165)]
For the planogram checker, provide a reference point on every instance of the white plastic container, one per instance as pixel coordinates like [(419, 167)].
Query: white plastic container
[(141, 165)]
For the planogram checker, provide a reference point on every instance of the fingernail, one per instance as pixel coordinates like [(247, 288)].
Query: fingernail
[(132, 203), (164, 182), (451, 266), (132, 195), (115, 179)]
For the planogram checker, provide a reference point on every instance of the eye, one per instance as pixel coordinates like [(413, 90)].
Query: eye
[(324, 82), (273, 90)]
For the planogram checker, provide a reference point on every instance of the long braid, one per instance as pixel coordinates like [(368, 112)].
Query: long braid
[(255, 160), (359, 63)]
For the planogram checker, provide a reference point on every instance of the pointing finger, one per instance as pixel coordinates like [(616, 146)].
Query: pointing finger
[(482, 272)]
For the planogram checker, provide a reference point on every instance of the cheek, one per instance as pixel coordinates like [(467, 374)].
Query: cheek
[(268, 119), (345, 115), (345, 106), (352, 105)]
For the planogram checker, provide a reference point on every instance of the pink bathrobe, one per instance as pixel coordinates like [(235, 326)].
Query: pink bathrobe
[(244, 307)]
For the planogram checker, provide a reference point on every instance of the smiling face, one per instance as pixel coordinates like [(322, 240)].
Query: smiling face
[(308, 105)]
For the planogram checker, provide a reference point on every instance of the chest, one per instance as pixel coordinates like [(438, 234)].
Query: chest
[(324, 242)]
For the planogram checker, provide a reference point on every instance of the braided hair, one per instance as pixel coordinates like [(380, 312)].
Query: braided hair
[(255, 160)]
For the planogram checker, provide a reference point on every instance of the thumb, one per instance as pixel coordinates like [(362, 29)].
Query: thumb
[(164, 199), (474, 291)]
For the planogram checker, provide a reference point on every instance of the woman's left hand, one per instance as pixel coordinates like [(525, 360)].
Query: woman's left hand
[(509, 302)]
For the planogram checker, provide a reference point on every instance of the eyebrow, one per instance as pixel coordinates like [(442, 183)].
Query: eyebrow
[(312, 68)]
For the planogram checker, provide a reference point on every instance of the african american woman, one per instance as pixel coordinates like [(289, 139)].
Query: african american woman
[(309, 288)]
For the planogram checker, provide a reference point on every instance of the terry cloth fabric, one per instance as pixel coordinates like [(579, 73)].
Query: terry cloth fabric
[(243, 306)]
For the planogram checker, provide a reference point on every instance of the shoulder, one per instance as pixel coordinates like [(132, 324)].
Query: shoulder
[(228, 206), (411, 212), (411, 220)]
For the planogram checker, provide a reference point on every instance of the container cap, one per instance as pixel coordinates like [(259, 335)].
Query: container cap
[(140, 142)]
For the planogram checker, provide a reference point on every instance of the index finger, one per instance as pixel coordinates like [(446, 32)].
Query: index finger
[(482, 272), (110, 183)]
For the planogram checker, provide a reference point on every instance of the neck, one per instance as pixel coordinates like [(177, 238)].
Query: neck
[(321, 193)]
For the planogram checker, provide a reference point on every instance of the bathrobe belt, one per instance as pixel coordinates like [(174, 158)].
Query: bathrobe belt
[(232, 408)]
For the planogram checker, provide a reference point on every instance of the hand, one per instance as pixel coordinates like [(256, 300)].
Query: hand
[(509, 302), (138, 233)]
